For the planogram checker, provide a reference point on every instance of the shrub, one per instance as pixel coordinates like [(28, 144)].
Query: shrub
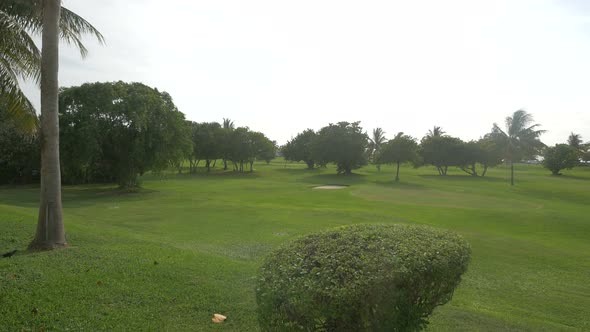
[(360, 278)]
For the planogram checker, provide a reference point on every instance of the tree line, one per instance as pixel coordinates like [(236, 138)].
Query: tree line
[(116, 131), (349, 147)]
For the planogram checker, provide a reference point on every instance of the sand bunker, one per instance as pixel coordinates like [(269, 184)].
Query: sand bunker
[(331, 186)]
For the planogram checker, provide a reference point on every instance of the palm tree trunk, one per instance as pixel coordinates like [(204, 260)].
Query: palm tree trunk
[(397, 173), (50, 228), (511, 172)]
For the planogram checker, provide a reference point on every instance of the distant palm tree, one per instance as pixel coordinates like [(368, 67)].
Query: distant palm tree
[(575, 141), (19, 19), (228, 125), (521, 138), (435, 132), (375, 143)]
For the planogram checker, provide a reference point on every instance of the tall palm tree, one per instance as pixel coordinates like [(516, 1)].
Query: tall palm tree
[(520, 140), (375, 143), (21, 58), (52, 21)]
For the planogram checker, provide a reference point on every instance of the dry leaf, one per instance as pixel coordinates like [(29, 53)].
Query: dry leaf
[(217, 318)]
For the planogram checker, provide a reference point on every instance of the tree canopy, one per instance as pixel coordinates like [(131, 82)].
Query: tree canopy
[(401, 149), (127, 129), (344, 144), (560, 156), (300, 148)]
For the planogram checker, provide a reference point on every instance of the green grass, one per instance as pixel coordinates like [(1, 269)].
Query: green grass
[(187, 246)]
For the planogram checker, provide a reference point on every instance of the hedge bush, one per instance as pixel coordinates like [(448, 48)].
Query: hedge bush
[(360, 278)]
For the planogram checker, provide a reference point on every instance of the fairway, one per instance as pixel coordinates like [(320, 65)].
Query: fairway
[(188, 246)]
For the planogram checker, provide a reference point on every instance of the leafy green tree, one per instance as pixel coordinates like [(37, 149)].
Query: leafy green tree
[(401, 149), (300, 148), (375, 143), (127, 130), (561, 156), (520, 140), (483, 152), (491, 155), (441, 152), (19, 152), (206, 139), (344, 144), (259, 148)]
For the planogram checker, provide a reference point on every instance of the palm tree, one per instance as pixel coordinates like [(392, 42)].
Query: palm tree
[(375, 143), (228, 126), (435, 132), (521, 138), (19, 58), (47, 17)]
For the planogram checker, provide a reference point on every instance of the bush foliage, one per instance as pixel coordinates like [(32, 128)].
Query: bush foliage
[(360, 278)]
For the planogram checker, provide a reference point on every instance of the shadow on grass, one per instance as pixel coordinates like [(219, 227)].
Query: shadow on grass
[(400, 185), (213, 174), (460, 177), (573, 177), (72, 196)]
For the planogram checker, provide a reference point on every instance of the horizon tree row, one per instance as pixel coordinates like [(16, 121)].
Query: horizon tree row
[(346, 145), (212, 141), (117, 131)]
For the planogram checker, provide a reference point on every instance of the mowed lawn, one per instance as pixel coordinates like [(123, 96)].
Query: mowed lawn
[(188, 246)]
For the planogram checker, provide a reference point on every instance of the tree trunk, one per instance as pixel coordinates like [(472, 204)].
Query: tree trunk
[(397, 173), (225, 164), (485, 169), (208, 164), (50, 228), (511, 173), (214, 162)]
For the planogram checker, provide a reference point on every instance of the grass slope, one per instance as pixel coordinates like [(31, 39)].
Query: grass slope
[(186, 247)]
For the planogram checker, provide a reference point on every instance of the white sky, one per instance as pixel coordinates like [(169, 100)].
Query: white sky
[(283, 66)]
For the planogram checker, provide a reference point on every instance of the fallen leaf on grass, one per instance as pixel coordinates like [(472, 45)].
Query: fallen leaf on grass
[(217, 318)]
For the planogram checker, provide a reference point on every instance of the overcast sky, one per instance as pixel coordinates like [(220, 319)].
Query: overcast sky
[(283, 66)]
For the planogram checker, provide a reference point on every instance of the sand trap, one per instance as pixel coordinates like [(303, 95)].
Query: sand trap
[(331, 186)]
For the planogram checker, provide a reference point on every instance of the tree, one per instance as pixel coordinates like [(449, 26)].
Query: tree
[(484, 152), (375, 143), (561, 156), (575, 141), (53, 21), (127, 130), (228, 127), (20, 57), (520, 140), (206, 139), (401, 149), (344, 144), (300, 148), (436, 131), (19, 152), (441, 152)]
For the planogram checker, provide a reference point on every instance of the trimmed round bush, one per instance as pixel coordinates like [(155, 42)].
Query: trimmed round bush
[(360, 278)]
